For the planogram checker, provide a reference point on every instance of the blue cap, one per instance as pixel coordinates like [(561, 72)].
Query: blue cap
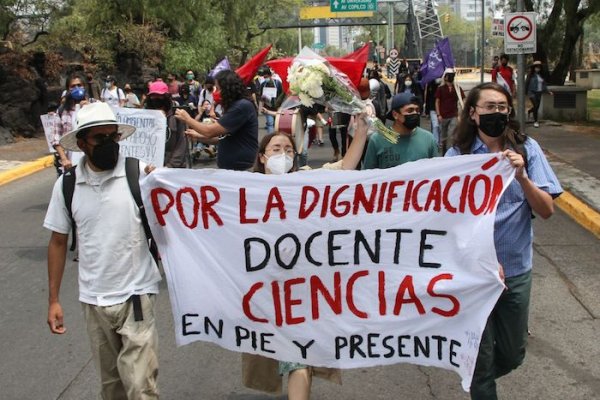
[(400, 100)]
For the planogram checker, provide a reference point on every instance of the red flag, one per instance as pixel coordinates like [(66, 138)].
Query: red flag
[(353, 68), (361, 54), (248, 70)]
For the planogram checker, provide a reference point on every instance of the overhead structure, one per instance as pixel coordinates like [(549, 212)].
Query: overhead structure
[(427, 23), (420, 17)]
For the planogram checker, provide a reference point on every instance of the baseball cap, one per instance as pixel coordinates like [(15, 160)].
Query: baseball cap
[(400, 100), (158, 87)]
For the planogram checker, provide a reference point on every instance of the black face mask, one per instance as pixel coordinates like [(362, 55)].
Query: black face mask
[(493, 124), (105, 155), (450, 78), (411, 121)]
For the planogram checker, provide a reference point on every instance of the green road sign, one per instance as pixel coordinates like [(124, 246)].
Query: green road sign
[(319, 46), (353, 5)]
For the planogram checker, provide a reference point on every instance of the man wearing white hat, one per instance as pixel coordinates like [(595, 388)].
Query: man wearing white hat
[(118, 278)]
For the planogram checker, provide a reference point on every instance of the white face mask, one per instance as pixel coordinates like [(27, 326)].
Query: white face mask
[(408, 83), (279, 164)]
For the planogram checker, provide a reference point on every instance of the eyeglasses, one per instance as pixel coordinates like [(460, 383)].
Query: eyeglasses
[(491, 107), (276, 149), (102, 138)]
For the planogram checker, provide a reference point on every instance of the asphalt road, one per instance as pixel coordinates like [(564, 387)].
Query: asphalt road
[(562, 362)]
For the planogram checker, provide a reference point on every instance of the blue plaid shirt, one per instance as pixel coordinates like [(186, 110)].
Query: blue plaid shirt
[(513, 233)]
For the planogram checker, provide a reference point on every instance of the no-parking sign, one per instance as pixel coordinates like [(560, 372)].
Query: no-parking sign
[(519, 33)]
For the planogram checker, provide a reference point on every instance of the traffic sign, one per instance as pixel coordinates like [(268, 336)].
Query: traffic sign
[(353, 5), (520, 33), (498, 27)]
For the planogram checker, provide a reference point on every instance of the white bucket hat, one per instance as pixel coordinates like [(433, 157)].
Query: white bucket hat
[(94, 114)]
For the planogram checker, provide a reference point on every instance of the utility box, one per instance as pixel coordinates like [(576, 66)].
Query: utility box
[(569, 103), (588, 78)]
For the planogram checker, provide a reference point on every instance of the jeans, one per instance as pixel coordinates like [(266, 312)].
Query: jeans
[(504, 338), (435, 126), (447, 127), (536, 99), (270, 123)]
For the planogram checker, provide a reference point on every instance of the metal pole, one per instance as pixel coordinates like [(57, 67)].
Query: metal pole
[(299, 39), (377, 47), (521, 81), (475, 58), (392, 25), (482, 38)]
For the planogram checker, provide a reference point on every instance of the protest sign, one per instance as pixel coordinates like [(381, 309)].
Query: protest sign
[(48, 122), (339, 269), (48, 125), (148, 141)]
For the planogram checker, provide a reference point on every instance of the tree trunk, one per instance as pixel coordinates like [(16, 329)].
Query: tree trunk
[(574, 29)]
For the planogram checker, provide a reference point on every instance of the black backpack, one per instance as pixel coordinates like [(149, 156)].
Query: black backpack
[(132, 171)]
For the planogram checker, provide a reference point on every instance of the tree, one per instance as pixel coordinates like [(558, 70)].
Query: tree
[(559, 28), (248, 19)]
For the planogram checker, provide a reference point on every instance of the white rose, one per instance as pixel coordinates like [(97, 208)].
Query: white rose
[(305, 99)]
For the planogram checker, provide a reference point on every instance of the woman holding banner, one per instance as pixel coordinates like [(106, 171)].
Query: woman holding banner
[(277, 155), (74, 98), (487, 126)]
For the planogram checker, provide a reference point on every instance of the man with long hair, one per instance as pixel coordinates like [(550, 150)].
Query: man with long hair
[(236, 132), (487, 126)]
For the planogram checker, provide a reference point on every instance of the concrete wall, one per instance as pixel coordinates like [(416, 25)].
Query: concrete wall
[(588, 78), (569, 103)]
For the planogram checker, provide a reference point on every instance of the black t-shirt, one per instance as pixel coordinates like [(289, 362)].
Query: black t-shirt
[(238, 149)]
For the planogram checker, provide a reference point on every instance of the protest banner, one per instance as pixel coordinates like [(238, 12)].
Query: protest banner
[(339, 269), (148, 141)]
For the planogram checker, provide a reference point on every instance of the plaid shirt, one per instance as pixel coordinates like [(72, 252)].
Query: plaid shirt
[(62, 124)]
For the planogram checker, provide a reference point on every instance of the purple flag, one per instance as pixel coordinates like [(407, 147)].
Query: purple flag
[(436, 61), (221, 65)]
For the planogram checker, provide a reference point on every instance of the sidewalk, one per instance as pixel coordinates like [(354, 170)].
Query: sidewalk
[(573, 152)]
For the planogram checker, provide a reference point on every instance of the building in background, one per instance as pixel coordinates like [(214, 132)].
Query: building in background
[(469, 10)]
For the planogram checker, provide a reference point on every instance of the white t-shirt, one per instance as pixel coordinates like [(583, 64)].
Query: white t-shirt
[(112, 97), (206, 95), (114, 259), (131, 100)]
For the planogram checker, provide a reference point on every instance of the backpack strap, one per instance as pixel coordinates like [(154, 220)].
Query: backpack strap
[(132, 171), (68, 188)]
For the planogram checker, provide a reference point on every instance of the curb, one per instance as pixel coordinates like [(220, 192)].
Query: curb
[(26, 169), (583, 214)]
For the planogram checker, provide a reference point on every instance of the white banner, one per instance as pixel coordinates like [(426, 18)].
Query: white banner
[(148, 141), (327, 268)]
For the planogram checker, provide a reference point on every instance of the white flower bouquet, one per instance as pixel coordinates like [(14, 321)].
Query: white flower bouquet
[(315, 81)]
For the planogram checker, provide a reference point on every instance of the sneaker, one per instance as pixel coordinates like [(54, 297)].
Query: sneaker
[(536, 124)]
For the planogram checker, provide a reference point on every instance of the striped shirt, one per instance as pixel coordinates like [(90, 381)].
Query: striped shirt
[(513, 232)]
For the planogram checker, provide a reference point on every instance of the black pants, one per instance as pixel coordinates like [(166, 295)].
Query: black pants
[(536, 99), (333, 138)]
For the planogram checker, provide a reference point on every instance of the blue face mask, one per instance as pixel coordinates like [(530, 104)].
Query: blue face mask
[(78, 93)]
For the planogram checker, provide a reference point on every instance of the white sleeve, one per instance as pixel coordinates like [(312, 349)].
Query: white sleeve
[(57, 217)]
